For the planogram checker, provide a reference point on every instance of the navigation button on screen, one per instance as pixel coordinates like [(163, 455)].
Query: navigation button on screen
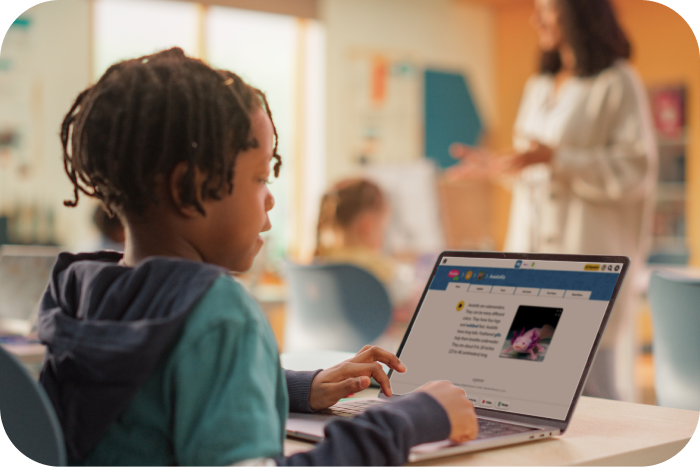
[(462, 287), (578, 294), (486, 402), (551, 293), (527, 291)]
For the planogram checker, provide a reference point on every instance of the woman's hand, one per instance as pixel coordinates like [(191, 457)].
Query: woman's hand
[(482, 163), (475, 163), (459, 409), (350, 376), (537, 154)]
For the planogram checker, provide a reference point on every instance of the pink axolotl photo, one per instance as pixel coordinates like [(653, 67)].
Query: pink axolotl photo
[(528, 341)]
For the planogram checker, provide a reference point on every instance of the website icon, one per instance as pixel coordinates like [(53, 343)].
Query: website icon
[(518, 263)]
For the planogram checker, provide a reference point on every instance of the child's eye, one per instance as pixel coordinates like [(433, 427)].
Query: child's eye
[(264, 181)]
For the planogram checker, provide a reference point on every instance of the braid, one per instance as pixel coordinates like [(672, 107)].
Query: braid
[(278, 159), (145, 116)]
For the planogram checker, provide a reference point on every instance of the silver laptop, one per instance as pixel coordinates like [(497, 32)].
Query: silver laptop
[(518, 332), (24, 274)]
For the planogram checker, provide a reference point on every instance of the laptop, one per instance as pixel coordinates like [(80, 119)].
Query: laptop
[(24, 274), (518, 332)]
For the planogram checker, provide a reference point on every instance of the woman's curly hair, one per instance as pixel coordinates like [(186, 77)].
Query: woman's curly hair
[(592, 30)]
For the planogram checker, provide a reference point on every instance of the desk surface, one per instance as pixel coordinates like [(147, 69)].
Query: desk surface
[(602, 432)]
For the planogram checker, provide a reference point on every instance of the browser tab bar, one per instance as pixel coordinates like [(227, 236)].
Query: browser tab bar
[(522, 264)]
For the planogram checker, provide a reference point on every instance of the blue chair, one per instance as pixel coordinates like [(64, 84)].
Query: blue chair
[(334, 307), (675, 310), (27, 414), (669, 258)]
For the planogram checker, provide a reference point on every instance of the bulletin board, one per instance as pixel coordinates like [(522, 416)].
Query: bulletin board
[(450, 115), (18, 101), (386, 112)]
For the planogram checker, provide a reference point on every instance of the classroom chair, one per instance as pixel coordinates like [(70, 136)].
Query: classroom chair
[(675, 312), (27, 414), (334, 307)]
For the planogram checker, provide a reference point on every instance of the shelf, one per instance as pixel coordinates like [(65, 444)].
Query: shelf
[(670, 191), (670, 243), (680, 141)]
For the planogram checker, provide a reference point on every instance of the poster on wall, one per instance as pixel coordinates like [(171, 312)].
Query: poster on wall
[(15, 93), (386, 107), (451, 116)]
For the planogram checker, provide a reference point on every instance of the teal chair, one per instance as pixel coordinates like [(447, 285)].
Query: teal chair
[(27, 414), (675, 310), (334, 307)]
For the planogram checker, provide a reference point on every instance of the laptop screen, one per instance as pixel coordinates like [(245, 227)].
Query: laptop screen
[(514, 334)]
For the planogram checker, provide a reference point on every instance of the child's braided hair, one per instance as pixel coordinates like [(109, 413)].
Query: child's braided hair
[(145, 116)]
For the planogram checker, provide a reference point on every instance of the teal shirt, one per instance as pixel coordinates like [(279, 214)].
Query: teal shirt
[(220, 397)]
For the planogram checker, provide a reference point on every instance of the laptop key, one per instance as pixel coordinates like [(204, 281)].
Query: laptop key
[(490, 429), (352, 407)]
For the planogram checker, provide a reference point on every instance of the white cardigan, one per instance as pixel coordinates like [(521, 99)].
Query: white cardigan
[(596, 197)]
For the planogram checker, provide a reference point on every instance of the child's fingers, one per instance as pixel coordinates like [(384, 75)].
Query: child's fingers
[(350, 370), (371, 353), (348, 386)]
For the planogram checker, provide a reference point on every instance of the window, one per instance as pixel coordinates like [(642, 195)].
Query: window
[(279, 54)]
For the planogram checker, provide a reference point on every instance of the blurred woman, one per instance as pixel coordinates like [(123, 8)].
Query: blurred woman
[(585, 162)]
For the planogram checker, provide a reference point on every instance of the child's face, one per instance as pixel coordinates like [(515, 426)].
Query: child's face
[(237, 220)]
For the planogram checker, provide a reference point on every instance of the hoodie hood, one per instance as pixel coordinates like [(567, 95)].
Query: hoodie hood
[(107, 327)]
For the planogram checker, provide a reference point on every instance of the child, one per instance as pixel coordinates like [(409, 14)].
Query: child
[(352, 222), (158, 356)]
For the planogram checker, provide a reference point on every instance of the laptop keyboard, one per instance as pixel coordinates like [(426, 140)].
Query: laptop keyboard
[(351, 407), (490, 429), (487, 428)]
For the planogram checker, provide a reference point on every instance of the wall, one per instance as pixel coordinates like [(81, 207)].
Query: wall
[(445, 34), (54, 70), (664, 51), (300, 8)]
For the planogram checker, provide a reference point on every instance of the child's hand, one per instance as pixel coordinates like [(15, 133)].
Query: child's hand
[(459, 409), (350, 376)]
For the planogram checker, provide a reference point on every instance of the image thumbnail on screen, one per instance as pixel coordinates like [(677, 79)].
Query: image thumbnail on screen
[(531, 333)]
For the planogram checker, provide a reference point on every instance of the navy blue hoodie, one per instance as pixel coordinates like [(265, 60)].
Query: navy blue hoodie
[(108, 327)]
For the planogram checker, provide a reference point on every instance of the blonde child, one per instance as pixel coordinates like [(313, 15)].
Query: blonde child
[(353, 219)]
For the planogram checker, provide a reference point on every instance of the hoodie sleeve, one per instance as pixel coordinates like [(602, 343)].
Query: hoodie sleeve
[(299, 388), (381, 436)]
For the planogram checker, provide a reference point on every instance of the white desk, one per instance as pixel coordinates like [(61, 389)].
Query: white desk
[(602, 432)]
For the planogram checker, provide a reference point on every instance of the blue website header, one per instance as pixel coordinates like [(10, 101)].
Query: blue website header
[(600, 284)]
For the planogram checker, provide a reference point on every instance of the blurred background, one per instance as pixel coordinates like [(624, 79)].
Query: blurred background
[(376, 89)]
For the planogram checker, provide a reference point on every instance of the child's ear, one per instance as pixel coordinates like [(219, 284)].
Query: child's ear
[(185, 207)]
